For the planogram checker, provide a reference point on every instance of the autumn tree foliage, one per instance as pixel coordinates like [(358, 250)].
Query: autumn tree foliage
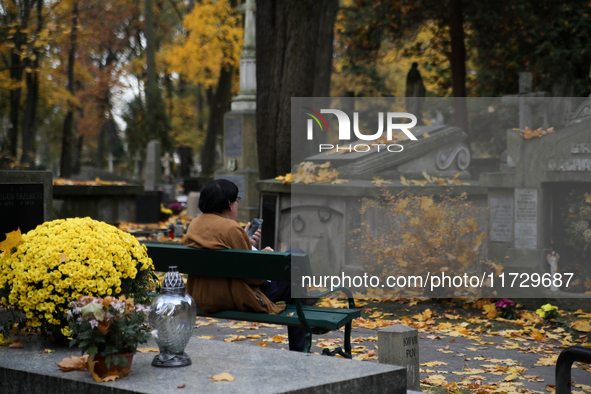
[(24, 38), (59, 80), (212, 47), (419, 234)]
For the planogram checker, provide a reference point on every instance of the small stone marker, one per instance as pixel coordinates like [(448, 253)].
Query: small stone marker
[(193, 204), (153, 166), (399, 345)]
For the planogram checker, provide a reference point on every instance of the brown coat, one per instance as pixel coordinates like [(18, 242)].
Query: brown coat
[(212, 294)]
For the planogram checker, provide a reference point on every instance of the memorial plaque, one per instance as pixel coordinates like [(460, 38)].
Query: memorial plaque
[(526, 218), (240, 181), (233, 137), (501, 219), (21, 206)]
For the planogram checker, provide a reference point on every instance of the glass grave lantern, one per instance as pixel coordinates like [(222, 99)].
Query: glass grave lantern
[(172, 319)]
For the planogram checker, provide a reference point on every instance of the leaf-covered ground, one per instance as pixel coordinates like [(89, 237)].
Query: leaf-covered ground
[(463, 345)]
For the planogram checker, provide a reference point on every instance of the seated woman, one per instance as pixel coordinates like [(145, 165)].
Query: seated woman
[(216, 228)]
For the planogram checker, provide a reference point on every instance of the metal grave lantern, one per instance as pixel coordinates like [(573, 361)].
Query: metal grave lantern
[(172, 319)]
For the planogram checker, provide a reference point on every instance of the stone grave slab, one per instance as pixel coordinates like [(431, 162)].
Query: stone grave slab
[(257, 370), (25, 200)]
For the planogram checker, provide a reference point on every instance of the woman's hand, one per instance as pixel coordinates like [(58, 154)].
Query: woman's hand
[(256, 236)]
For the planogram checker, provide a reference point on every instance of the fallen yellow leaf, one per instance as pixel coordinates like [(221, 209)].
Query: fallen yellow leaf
[(13, 238), (72, 363), (582, 325), (16, 345), (224, 376), (148, 349), (433, 363), (278, 338)]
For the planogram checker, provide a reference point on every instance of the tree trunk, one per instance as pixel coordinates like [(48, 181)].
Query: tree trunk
[(287, 64), (16, 74), (325, 48), (66, 162), (151, 100), (219, 103), (29, 117), (458, 63), (157, 121)]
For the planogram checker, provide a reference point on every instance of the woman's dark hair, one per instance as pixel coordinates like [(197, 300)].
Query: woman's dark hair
[(217, 195)]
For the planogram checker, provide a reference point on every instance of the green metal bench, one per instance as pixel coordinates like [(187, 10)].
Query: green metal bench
[(283, 267)]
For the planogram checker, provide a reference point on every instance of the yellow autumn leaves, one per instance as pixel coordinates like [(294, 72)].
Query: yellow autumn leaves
[(308, 172), (214, 39), (418, 234), (539, 132)]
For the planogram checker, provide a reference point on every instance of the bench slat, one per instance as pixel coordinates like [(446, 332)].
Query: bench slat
[(329, 318), (228, 263)]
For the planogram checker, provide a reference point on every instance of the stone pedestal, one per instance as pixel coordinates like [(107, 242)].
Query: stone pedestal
[(241, 161), (399, 345), (153, 166)]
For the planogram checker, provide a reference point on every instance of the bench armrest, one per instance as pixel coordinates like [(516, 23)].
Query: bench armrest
[(300, 310)]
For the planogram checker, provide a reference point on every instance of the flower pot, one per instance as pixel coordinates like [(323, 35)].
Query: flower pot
[(101, 369)]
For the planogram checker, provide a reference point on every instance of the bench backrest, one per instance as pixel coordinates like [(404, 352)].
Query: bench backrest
[(230, 263)]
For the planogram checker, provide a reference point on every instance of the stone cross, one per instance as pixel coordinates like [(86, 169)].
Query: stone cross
[(246, 99), (526, 100), (111, 159), (248, 8), (166, 161), (137, 158)]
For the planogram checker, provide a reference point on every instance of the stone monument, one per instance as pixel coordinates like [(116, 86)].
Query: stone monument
[(320, 218), (153, 172), (168, 185), (526, 101), (526, 207), (240, 148)]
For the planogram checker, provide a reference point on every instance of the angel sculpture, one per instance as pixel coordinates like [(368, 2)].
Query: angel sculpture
[(553, 261)]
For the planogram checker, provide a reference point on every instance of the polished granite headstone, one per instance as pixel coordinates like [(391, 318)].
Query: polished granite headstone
[(257, 370), (25, 200)]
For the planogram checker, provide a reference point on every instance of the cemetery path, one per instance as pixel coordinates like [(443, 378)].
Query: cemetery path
[(460, 348)]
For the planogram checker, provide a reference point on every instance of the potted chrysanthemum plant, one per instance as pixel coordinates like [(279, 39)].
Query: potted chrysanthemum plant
[(108, 329), (57, 262)]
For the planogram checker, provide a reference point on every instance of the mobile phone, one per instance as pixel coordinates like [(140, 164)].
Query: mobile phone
[(254, 226)]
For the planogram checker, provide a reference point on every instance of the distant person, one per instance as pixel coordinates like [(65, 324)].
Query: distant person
[(415, 93)]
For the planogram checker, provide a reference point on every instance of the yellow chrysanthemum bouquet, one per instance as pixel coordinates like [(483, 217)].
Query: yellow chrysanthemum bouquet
[(63, 259)]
